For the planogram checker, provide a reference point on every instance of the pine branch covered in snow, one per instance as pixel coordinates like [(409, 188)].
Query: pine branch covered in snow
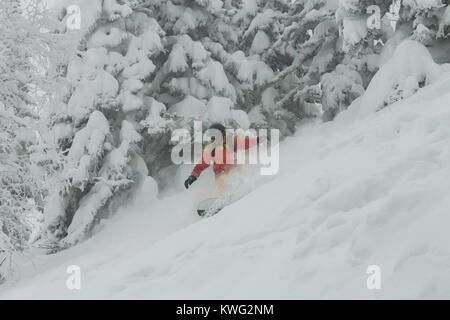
[(103, 110), (29, 54)]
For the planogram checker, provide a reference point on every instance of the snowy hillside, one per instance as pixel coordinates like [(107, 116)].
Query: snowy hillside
[(365, 189)]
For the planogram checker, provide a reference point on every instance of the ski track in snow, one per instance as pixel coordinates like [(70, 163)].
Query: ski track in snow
[(349, 194)]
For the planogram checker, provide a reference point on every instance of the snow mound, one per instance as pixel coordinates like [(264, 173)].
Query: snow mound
[(410, 65)]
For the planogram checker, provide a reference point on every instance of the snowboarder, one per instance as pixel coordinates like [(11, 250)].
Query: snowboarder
[(221, 156)]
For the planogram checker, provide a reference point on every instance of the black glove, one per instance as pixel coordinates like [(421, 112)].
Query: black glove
[(189, 181)]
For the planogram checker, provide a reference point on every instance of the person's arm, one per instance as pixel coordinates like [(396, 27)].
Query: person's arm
[(245, 143), (198, 169), (202, 164)]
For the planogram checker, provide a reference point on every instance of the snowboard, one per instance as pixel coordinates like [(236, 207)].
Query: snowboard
[(208, 207)]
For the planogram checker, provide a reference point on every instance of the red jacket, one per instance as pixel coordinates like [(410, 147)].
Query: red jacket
[(223, 156)]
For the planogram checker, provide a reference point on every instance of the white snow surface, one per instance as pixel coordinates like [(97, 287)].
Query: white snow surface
[(350, 193)]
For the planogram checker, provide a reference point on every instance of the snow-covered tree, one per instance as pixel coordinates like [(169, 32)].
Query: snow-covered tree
[(202, 74), (425, 22), (261, 24), (428, 19), (339, 89), (429, 23), (187, 68), (306, 48), (98, 123), (28, 54), (197, 39), (324, 57), (364, 28)]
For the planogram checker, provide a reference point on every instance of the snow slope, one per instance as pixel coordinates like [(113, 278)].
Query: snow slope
[(349, 194)]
